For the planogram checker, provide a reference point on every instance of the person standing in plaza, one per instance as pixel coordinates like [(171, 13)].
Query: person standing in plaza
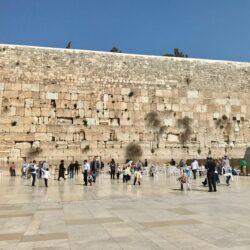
[(137, 176), (71, 169), (46, 176), (124, 174), (77, 167), (118, 171), (210, 166), (33, 169), (172, 162), (182, 179), (227, 169), (94, 167), (24, 168), (61, 170), (244, 166), (139, 165), (45, 165), (194, 167), (85, 171), (13, 169), (112, 166)]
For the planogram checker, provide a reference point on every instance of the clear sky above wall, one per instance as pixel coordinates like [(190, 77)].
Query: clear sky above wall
[(213, 29)]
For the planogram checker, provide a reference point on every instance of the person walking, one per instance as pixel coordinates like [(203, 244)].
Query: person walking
[(46, 176), (85, 171), (210, 166), (61, 170), (137, 176)]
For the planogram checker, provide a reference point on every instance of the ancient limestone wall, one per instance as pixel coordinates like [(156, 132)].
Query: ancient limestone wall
[(73, 104)]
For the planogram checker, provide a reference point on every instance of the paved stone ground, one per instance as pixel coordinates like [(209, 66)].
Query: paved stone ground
[(114, 215)]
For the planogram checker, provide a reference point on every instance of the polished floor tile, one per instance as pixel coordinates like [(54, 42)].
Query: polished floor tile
[(115, 215)]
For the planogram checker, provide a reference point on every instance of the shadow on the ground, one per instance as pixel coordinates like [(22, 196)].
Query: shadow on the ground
[(193, 189)]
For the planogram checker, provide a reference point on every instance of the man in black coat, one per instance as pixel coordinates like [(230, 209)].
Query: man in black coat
[(61, 170), (210, 166)]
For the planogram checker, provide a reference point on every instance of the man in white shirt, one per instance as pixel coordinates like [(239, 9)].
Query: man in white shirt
[(227, 169), (194, 167), (33, 169), (85, 171)]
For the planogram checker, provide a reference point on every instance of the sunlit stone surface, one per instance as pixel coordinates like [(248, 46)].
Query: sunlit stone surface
[(114, 215)]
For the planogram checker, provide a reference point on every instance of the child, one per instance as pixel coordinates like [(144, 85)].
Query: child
[(46, 176), (183, 179), (124, 173), (90, 178), (138, 177), (118, 171), (216, 176)]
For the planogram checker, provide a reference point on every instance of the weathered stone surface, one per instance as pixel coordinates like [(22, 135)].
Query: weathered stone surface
[(97, 105)]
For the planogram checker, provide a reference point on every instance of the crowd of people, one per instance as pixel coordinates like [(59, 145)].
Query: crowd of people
[(213, 168), (91, 170)]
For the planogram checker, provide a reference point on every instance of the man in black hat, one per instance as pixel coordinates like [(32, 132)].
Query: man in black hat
[(210, 166)]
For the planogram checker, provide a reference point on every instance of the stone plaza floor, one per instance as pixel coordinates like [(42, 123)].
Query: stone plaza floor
[(115, 215)]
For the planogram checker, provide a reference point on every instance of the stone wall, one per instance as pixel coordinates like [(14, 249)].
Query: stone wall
[(72, 104)]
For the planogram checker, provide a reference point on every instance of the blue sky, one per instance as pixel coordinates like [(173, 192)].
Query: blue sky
[(213, 29)]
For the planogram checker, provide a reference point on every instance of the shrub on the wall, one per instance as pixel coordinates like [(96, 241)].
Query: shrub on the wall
[(186, 133), (133, 151)]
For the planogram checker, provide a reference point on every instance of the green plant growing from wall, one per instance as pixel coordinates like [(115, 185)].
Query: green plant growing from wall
[(85, 122), (185, 124), (35, 151), (209, 151), (13, 123), (153, 120), (5, 104), (224, 124), (133, 151), (86, 149), (131, 93)]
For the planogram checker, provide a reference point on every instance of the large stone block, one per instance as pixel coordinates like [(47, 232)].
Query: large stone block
[(53, 96), (43, 136)]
